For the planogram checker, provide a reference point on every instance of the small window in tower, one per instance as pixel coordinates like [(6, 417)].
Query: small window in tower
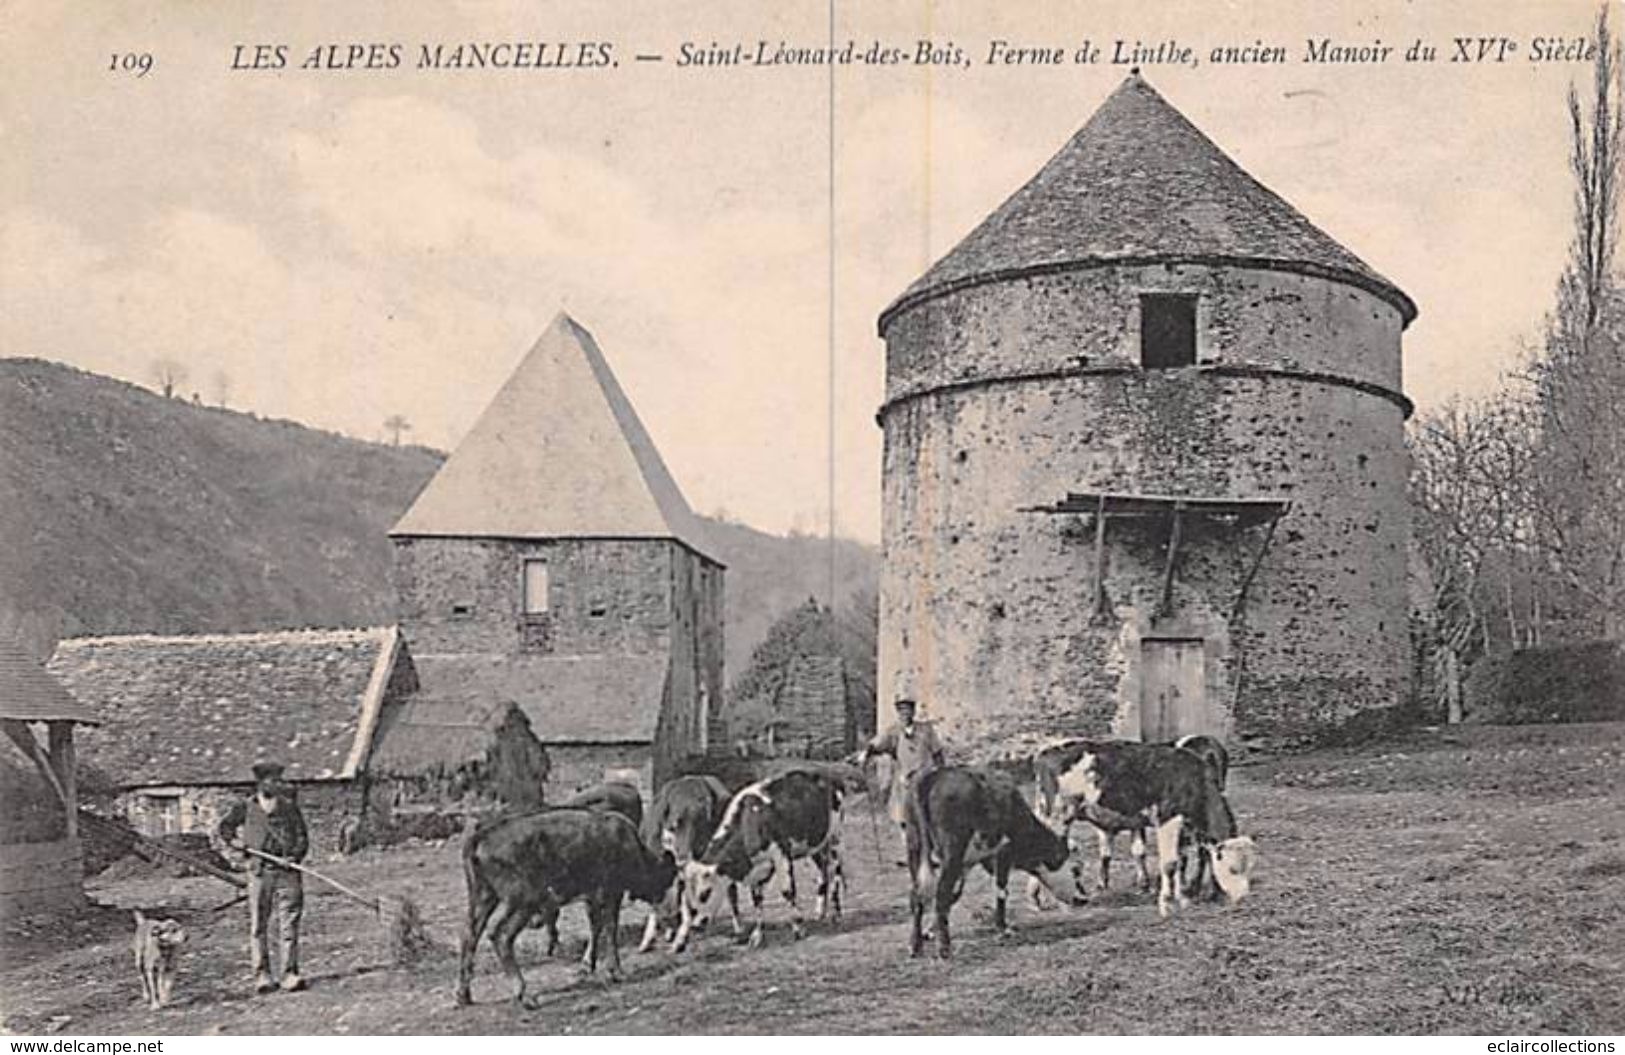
[(535, 586), (1167, 330)]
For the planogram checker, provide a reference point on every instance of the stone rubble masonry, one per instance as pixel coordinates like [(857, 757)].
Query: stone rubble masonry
[(1013, 393), (606, 597)]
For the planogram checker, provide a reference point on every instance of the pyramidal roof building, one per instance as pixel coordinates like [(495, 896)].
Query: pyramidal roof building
[(554, 563), (558, 453), (1144, 467)]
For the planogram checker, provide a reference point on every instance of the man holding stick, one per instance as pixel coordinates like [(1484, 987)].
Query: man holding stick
[(269, 822)]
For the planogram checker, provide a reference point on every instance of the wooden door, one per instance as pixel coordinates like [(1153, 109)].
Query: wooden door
[(1173, 697)]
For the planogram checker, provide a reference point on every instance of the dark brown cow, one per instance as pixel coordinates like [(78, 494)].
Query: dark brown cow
[(1212, 753), (1159, 785), (612, 796), (521, 866), (616, 796), (685, 815), (960, 816), (782, 818)]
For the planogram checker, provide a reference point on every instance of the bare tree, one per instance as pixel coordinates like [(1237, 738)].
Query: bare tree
[(220, 387), (1474, 526), (395, 425), (169, 374), (1578, 466)]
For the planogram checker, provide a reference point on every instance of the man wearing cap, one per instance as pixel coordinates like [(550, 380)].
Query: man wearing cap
[(269, 822), (914, 745)]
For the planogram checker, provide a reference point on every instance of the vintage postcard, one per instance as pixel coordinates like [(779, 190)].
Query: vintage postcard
[(719, 518)]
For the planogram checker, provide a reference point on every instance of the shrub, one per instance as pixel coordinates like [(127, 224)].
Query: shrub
[(1582, 682)]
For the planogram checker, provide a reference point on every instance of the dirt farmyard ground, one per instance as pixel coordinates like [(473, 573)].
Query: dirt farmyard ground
[(1470, 881)]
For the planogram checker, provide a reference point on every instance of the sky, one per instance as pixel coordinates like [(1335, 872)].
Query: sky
[(338, 246)]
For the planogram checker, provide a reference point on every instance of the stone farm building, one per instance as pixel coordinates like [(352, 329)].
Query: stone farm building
[(554, 589), (1144, 469), (187, 716), (553, 562)]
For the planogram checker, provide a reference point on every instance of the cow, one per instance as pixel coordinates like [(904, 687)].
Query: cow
[(1161, 786), (517, 867), (785, 817), (960, 816), (1107, 824), (613, 796), (1212, 754), (685, 815)]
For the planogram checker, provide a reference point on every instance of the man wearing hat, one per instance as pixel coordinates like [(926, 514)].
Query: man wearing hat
[(914, 745), (269, 822)]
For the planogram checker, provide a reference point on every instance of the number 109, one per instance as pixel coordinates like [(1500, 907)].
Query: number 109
[(131, 62)]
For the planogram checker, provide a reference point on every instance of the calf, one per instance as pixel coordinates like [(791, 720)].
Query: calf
[(1162, 786), (685, 815), (520, 866), (785, 817), (612, 796), (960, 816)]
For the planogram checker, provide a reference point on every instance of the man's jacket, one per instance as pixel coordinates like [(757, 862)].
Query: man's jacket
[(280, 832)]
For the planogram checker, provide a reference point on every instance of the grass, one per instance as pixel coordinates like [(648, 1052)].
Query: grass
[(1460, 882)]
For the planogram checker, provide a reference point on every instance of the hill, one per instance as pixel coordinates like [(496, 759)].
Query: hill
[(125, 512)]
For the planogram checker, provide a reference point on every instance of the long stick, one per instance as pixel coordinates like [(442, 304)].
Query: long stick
[(140, 844), (376, 904)]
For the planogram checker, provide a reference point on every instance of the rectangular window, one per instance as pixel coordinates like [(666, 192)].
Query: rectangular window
[(535, 587), (1167, 330)]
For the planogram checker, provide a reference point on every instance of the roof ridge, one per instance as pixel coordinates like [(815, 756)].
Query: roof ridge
[(375, 633)]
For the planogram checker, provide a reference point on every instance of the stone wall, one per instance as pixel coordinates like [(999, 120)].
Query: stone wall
[(576, 766), (605, 597), (691, 716), (460, 595), (1011, 395), (329, 808)]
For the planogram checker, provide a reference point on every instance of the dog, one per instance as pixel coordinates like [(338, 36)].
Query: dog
[(155, 943)]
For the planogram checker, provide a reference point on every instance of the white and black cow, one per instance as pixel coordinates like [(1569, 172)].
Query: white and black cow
[(783, 818), (682, 820), (1155, 785), (1107, 824), (961, 816), (521, 866)]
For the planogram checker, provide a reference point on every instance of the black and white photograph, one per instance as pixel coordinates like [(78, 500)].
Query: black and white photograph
[(913, 517)]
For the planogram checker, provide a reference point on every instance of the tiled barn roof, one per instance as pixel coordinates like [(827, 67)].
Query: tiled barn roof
[(203, 709), (29, 693), (568, 699), (559, 453), (1140, 182)]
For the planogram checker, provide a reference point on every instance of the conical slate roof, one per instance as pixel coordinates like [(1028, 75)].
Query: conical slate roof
[(559, 453), (1140, 182)]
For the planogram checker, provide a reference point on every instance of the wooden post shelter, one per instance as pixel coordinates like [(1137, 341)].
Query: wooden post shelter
[(41, 867)]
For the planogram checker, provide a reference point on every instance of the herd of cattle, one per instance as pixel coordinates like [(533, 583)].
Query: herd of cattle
[(698, 843)]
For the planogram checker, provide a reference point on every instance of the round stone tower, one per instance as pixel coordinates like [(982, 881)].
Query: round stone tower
[(1144, 459)]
